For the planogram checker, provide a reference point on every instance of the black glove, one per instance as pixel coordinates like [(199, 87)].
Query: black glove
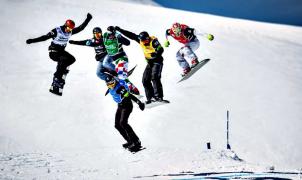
[(117, 28), (29, 41), (141, 106), (111, 29), (154, 54), (89, 16)]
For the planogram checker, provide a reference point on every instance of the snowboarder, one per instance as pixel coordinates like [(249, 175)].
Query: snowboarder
[(187, 36), (153, 54), (100, 51), (57, 53), (118, 59), (121, 95)]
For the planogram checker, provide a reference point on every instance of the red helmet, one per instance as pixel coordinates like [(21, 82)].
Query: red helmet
[(176, 25), (69, 23)]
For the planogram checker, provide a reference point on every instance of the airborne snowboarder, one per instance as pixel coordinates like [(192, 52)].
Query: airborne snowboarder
[(153, 54), (187, 36), (57, 53), (121, 95), (100, 51), (118, 59)]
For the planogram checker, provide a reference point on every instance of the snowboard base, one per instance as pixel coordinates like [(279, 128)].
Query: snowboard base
[(156, 103), (194, 70)]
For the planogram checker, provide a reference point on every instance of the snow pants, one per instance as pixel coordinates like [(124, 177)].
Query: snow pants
[(64, 60), (108, 63), (121, 121), (101, 69), (152, 74), (187, 52)]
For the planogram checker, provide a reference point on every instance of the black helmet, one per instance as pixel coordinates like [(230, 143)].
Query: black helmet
[(143, 36), (110, 81), (97, 30)]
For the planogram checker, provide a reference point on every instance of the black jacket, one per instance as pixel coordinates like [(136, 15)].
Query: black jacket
[(98, 45), (53, 34)]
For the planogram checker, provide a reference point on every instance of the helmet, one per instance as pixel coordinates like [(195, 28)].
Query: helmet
[(69, 23), (143, 36), (176, 28), (110, 81), (176, 25), (97, 30)]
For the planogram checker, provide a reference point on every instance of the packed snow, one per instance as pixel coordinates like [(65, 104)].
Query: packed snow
[(255, 72)]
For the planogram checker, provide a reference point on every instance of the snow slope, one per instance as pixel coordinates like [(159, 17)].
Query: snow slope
[(254, 72)]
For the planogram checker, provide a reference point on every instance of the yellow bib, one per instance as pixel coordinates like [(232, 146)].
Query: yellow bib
[(148, 49)]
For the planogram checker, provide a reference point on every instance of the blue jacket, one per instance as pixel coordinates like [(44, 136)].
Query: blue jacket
[(120, 91)]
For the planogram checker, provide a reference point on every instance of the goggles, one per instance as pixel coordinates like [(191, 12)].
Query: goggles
[(97, 34), (111, 84), (176, 31), (146, 41), (69, 29)]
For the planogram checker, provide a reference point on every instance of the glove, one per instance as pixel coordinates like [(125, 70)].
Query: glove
[(210, 37), (141, 106), (153, 54), (71, 41), (117, 28), (29, 41), (89, 16), (111, 29), (166, 43)]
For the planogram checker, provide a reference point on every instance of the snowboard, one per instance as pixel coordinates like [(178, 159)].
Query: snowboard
[(56, 90), (156, 103), (57, 86), (137, 150), (129, 74), (194, 70)]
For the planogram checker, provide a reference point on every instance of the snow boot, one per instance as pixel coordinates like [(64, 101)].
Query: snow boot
[(135, 146), (194, 62), (57, 86), (186, 71), (126, 145), (159, 99), (148, 101)]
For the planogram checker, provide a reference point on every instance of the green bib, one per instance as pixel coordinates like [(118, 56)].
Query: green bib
[(112, 45)]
